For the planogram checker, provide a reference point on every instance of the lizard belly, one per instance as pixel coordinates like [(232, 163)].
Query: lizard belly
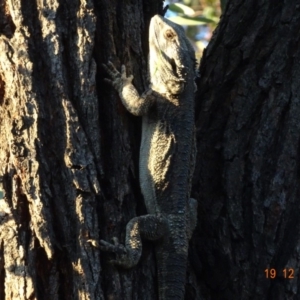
[(157, 149)]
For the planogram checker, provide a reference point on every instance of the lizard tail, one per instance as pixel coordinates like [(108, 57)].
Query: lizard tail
[(171, 267)]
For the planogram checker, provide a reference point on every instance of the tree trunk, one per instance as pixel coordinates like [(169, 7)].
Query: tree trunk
[(247, 173), (69, 152)]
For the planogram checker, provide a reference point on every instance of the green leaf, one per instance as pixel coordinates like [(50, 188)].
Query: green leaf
[(208, 12), (192, 21), (181, 8)]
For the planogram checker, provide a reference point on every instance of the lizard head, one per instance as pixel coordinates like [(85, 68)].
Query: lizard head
[(171, 56)]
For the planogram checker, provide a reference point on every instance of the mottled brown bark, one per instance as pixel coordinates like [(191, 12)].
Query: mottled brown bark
[(247, 174), (48, 154), (69, 150)]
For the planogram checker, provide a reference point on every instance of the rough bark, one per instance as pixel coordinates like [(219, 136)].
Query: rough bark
[(49, 152), (69, 151), (247, 174)]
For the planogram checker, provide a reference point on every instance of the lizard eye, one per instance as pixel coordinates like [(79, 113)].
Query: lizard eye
[(169, 34)]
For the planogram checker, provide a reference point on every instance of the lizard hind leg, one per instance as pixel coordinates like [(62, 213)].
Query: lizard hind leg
[(151, 227)]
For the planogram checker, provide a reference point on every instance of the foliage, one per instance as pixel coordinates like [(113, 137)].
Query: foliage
[(198, 17), (188, 16)]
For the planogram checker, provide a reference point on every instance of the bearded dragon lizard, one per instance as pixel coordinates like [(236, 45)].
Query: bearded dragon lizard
[(167, 156)]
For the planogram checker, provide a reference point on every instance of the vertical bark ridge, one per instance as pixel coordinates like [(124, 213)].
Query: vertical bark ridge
[(249, 135), (47, 161)]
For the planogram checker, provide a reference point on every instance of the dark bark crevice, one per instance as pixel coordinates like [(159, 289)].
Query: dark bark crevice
[(7, 26), (250, 136)]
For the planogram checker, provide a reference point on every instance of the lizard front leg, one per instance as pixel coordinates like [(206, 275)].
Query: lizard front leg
[(134, 103), (151, 227)]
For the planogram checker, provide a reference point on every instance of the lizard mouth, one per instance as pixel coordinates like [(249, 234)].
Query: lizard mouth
[(174, 67)]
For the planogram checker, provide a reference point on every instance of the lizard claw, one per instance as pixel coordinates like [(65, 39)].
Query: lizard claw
[(118, 249), (114, 247), (111, 69), (115, 241), (123, 71), (125, 79), (118, 80), (115, 75)]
